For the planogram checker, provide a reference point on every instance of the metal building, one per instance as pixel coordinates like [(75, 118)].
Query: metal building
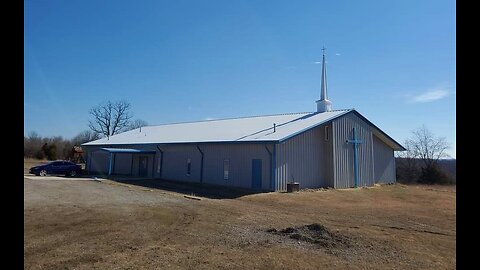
[(327, 148)]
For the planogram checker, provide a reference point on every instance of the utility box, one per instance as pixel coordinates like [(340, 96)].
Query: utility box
[(292, 187)]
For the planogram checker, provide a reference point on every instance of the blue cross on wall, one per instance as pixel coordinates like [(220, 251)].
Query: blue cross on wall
[(355, 143)]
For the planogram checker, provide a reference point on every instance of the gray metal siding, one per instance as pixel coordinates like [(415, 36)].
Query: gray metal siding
[(343, 158), (306, 159), (240, 157), (175, 163), (384, 171), (99, 162), (122, 164)]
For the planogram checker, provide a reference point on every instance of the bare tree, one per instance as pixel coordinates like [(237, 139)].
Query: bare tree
[(32, 145), (110, 118), (428, 148), (137, 124), (408, 169), (85, 136)]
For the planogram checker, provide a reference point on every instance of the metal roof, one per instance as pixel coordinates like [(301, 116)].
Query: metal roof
[(246, 129), (126, 150)]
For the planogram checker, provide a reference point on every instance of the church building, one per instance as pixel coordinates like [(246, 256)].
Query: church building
[(326, 148)]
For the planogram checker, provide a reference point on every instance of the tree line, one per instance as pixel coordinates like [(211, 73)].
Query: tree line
[(52, 148), (107, 119), (423, 161)]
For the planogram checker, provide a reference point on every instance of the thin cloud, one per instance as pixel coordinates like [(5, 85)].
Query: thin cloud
[(429, 96), (337, 54)]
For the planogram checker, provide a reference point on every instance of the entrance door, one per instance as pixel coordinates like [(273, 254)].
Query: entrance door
[(142, 166), (256, 173)]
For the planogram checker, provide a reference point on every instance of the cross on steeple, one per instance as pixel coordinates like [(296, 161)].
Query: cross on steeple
[(355, 143)]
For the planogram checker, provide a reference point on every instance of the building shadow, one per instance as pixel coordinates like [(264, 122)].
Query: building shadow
[(191, 189)]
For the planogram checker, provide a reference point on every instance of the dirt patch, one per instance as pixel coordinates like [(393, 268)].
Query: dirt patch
[(316, 234)]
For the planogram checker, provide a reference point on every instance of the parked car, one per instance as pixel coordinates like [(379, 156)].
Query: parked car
[(67, 168)]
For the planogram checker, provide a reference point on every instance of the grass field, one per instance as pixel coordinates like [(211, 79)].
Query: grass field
[(86, 224)]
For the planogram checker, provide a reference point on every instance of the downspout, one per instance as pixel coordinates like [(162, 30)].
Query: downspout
[(110, 165), (201, 164), (153, 165), (131, 166), (161, 161), (274, 168), (271, 165)]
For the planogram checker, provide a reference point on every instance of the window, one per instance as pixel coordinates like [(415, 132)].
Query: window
[(226, 169), (189, 166), (327, 133)]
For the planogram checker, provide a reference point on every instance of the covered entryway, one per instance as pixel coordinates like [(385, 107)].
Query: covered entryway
[(121, 162), (143, 166)]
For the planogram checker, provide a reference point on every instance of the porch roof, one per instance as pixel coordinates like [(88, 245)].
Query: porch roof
[(127, 150)]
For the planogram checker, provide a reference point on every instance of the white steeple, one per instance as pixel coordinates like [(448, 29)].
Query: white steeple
[(324, 105)]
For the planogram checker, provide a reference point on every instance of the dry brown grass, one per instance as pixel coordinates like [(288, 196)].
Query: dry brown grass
[(107, 225)]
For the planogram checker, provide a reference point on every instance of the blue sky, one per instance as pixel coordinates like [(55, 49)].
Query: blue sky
[(175, 61)]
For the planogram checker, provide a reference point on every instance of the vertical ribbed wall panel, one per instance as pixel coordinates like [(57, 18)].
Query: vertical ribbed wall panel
[(175, 163), (99, 162), (306, 159), (240, 157), (344, 160), (384, 171)]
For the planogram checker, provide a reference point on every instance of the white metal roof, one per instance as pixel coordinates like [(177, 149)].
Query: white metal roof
[(245, 129), (256, 128)]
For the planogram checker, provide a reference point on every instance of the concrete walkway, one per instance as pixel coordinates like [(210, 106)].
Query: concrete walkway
[(55, 177)]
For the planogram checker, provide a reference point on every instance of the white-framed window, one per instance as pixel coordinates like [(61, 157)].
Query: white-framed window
[(189, 166), (327, 133), (226, 169)]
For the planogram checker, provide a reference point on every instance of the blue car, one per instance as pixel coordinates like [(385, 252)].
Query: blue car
[(57, 167)]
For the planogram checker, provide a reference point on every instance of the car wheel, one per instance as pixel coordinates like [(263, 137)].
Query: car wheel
[(72, 173), (43, 173)]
